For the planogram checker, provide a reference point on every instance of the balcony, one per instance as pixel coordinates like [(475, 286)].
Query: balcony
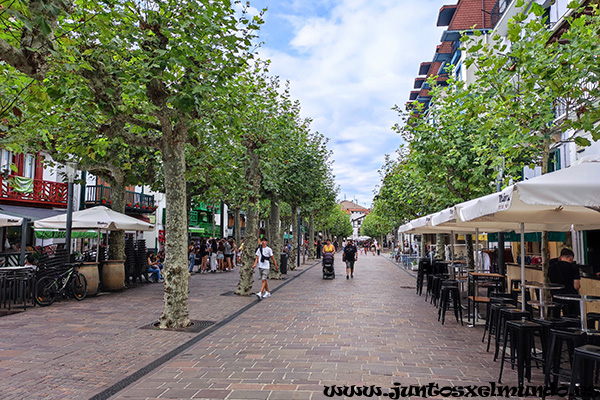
[(45, 194), (100, 195)]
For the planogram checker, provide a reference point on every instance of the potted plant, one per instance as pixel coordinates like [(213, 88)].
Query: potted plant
[(103, 200)]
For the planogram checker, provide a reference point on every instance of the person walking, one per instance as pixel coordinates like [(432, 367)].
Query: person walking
[(328, 248), (264, 255), (350, 256), (191, 256)]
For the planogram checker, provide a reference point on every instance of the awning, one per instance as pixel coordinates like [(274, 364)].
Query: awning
[(33, 213), (44, 234), (529, 237)]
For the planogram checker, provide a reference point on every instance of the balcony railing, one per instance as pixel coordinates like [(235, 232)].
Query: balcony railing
[(45, 193), (134, 202)]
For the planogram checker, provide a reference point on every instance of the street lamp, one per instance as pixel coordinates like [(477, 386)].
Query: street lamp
[(70, 171)]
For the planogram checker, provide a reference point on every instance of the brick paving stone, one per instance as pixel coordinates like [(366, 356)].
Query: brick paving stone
[(370, 330)]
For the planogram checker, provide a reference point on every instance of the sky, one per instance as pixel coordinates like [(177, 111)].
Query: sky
[(349, 62)]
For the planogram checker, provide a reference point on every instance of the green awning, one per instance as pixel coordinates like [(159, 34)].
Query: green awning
[(41, 234), (197, 230), (529, 237)]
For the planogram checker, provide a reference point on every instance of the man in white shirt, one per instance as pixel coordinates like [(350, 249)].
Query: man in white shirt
[(263, 256)]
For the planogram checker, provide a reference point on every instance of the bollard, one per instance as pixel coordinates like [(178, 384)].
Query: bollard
[(283, 257)]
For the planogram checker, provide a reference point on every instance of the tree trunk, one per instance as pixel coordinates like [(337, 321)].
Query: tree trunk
[(469, 250), (175, 313), (311, 237), (283, 231), (295, 235), (439, 246), (237, 229), (254, 179), (423, 246), (274, 239), (116, 249), (188, 202)]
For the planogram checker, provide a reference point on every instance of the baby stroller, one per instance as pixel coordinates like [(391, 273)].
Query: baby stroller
[(328, 270)]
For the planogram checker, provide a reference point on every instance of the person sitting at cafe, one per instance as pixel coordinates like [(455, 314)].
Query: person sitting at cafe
[(564, 271), (30, 262), (153, 268)]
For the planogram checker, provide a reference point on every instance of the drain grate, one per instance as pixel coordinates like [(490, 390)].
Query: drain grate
[(196, 326)]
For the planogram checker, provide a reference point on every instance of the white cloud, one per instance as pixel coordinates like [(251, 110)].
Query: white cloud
[(348, 67)]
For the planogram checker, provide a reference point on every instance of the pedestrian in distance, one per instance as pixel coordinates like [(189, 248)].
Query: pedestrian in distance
[(350, 256), (264, 255)]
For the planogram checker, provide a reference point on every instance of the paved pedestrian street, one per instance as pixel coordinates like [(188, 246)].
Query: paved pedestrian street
[(372, 330)]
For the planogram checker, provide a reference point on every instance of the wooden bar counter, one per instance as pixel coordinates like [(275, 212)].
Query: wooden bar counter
[(589, 286)]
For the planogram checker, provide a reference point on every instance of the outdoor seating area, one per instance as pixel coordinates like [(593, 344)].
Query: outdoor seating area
[(529, 319), (517, 338)]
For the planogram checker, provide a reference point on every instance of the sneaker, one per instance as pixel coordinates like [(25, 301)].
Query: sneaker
[(352, 276), (347, 277), (266, 295), (161, 280), (259, 296)]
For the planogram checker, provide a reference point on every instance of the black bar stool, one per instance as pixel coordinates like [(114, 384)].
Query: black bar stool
[(585, 360), (450, 290), (424, 269), (571, 338), (506, 314), (522, 342), (492, 318)]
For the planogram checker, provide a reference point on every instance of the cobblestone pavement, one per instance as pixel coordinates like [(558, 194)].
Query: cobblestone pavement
[(312, 333)]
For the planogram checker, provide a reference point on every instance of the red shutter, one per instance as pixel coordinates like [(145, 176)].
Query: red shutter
[(39, 167), (18, 160)]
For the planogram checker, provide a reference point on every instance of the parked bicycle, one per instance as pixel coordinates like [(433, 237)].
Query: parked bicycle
[(69, 282)]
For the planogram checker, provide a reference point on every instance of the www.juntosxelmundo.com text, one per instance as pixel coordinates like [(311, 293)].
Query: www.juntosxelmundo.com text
[(434, 390)]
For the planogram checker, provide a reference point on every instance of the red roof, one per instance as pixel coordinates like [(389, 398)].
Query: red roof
[(469, 13)]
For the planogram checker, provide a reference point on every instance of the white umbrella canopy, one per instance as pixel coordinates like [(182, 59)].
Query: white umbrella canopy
[(9, 220), (561, 200), (99, 218), (554, 201)]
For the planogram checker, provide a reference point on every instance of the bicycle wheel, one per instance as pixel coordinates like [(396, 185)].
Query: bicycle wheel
[(79, 286), (46, 291)]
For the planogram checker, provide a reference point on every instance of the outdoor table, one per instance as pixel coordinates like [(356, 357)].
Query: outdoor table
[(582, 299), (541, 303), (474, 279)]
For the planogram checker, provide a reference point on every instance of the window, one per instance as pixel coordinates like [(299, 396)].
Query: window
[(554, 164), (5, 161), (28, 166)]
